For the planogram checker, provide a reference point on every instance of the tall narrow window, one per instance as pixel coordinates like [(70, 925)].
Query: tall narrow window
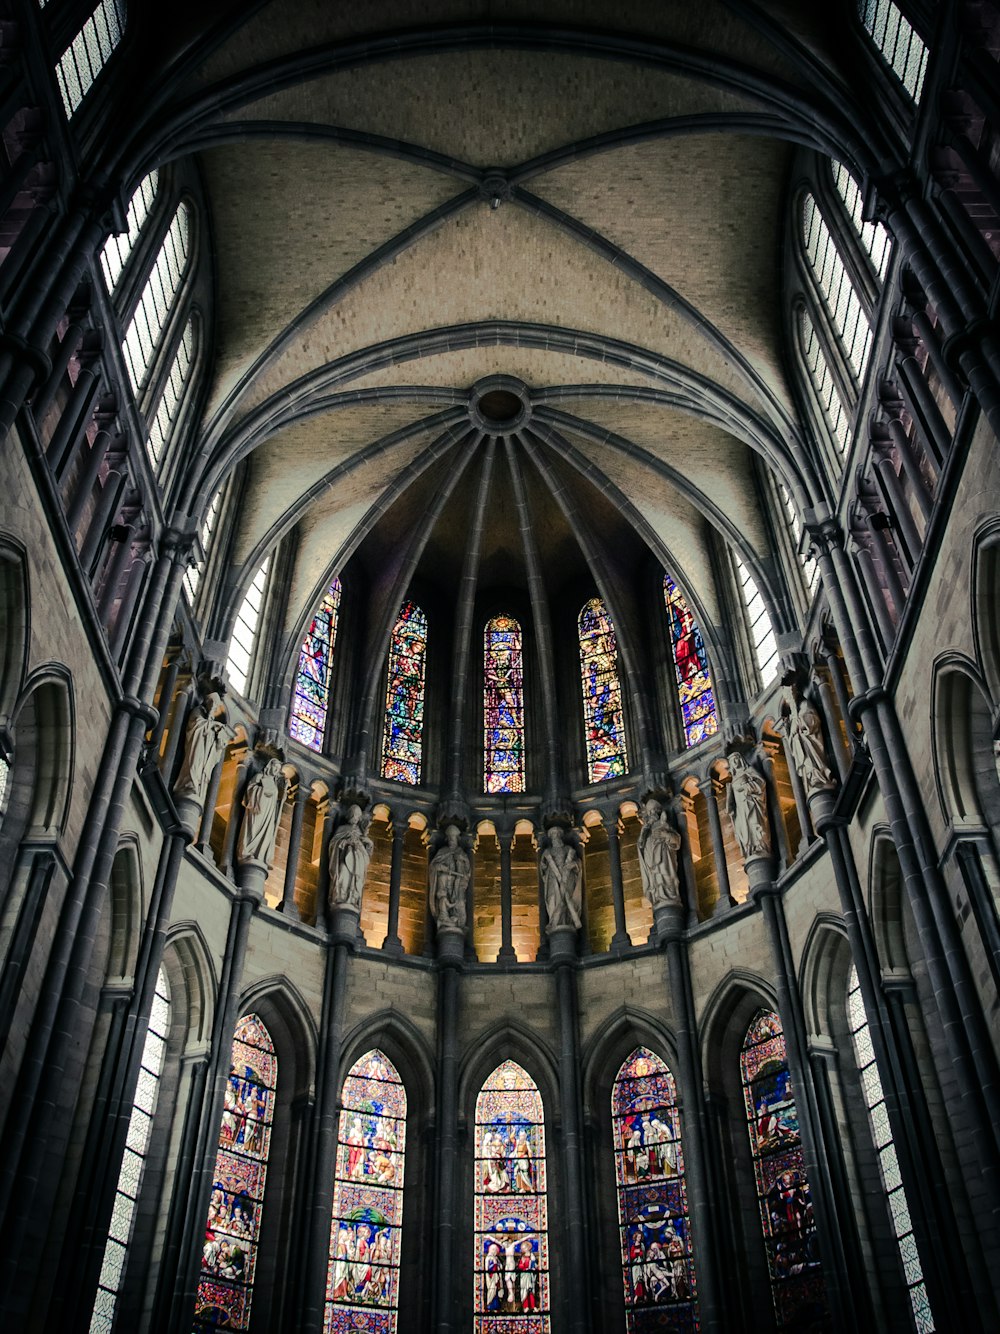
[(170, 399), (192, 577), (362, 1286), (503, 706), (140, 1126), (142, 337), (117, 249), (511, 1222), (88, 53), (765, 646), (603, 720), (872, 235), (843, 305), (695, 693), (823, 382), (786, 1209), (403, 731), (245, 630), (871, 1087), (896, 42), (652, 1199), (311, 696), (810, 570), (229, 1255)]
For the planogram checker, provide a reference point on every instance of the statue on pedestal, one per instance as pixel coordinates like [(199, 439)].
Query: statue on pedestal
[(801, 724), (448, 878), (562, 875), (746, 802), (659, 844), (262, 803), (207, 735), (350, 852)]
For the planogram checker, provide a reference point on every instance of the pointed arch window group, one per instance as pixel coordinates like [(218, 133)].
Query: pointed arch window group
[(403, 733), (503, 706)]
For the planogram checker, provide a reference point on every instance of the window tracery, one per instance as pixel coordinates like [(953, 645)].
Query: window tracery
[(896, 42), (847, 315), (511, 1219), (88, 53), (403, 732), (603, 718), (783, 1194), (872, 235), (192, 575), (229, 1255), (117, 249), (362, 1288), (245, 630), (653, 1224), (695, 692), (765, 646), (145, 330), (503, 706), (311, 692), (170, 398), (823, 383)]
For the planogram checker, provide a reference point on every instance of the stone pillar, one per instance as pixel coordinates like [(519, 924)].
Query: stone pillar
[(300, 801), (167, 688), (896, 504), (910, 465), (779, 832), (801, 804), (204, 844), (74, 421), (88, 479), (621, 940), (725, 901), (178, 724), (689, 886), (392, 943), (821, 693), (447, 1235), (507, 953), (876, 597), (243, 774), (878, 525)]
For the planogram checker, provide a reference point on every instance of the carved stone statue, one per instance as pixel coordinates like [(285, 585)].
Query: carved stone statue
[(448, 880), (261, 815), (746, 802), (802, 726), (350, 852), (207, 735), (562, 874), (659, 844)]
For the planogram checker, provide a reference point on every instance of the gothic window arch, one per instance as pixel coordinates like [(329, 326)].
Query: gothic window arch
[(692, 675), (365, 1231), (311, 692), (232, 1232), (241, 646), (131, 1171), (603, 716), (511, 1216), (896, 42), (761, 631), (503, 705), (783, 1193), (403, 729), (88, 53), (837, 293), (653, 1224), (878, 1120)]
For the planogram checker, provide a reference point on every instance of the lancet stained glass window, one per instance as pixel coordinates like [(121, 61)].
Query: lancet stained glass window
[(695, 692), (311, 696), (140, 1126), (878, 1119), (403, 735), (503, 706), (652, 1198), (229, 1255), (603, 721), (511, 1223), (362, 1286), (786, 1209)]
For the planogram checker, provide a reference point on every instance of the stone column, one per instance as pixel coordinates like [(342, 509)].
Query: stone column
[(896, 504), (876, 597), (507, 953), (392, 943), (682, 805), (300, 801), (447, 1235), (910, 465), (167, 689), (820, 691), (621, 940), (725, 901), (779, 832), (801, 804), (88, 479), (243, 773), (204, 844)]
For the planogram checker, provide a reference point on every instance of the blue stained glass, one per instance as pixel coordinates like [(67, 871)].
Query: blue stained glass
[(695, 692), (783, 1194), (659, 1277), (229, 1253), (402, 738), (311, 696), (604, 724), (503, 706)]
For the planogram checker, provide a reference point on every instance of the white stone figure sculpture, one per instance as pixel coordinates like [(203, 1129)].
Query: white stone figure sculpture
[(801, 724), (659, 844), (562, 875), (262, 802), (207, 735), (448, 881), (746, 802), (350, 852)]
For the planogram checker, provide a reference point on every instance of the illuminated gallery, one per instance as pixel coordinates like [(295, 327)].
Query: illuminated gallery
[(500, 666)]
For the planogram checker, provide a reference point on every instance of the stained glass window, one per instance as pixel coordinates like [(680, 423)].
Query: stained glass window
[(311, 695), (694, 681), (603, 721), (403, 734), (512, 1247), (786, 1209), (899, 1209), (229, 1255), (245, 629), (652, 1199), (503, 706), (140, 1126), (362, 1285)]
